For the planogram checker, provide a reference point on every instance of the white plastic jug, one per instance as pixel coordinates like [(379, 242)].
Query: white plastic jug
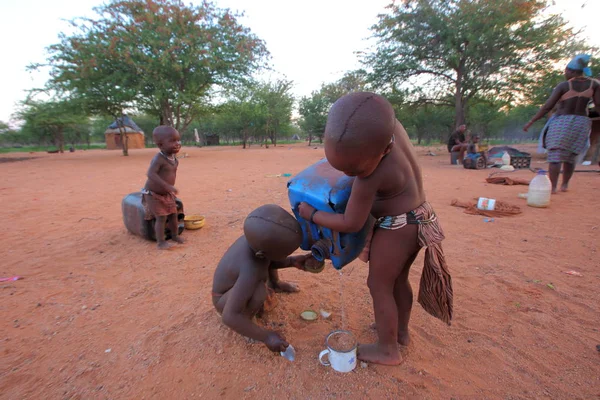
[(540, 189), (506, 158)]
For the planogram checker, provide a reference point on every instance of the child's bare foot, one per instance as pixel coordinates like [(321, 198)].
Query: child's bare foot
[(564, 188), (554, 191), (179, 239), (165, 245), (379, 354), (403, 338), (285, 287)]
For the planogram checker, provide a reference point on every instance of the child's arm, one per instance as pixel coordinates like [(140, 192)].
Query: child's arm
[(357, 211), (153, 175), (291, 261), (233, 314)]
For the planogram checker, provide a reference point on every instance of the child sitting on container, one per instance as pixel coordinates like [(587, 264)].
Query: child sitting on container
[(473, 147), (247, 276), (364, 139), (158, 195), (475, 158)]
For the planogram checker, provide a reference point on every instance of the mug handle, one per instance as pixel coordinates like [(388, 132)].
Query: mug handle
[(321, 354)]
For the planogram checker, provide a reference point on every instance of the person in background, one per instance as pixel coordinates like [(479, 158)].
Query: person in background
[(567, 132), (457, 142)]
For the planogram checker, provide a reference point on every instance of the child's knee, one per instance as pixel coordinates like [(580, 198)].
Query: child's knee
[(376, 285), (258, 299)]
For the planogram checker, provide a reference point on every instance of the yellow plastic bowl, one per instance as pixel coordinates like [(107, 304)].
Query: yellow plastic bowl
[(193, 221)]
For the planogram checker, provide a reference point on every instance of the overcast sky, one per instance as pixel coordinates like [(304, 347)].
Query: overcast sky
[(310, 41)]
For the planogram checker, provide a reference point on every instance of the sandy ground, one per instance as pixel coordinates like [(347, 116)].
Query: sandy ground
[(101, 314)]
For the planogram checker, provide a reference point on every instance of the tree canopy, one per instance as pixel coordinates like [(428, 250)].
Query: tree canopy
[(448, 52), (257, 111), (157, 56), (439, 62), (51, 121), (313, 109)]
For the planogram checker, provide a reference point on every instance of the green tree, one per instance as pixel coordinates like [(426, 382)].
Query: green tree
[(4, 128), (482, 115), (255, 112), (158, 56), (314, 108), (89, 67), (9, 136), (313, 111), (451, 51), (276, 100), (352, 81), (242, 116), (425, 122), (49, 121)]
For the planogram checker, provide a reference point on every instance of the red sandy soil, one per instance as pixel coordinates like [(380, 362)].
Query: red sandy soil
[(523, 329)]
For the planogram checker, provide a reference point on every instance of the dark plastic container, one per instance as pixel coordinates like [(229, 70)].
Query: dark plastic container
[(326, 189), (133, 217)]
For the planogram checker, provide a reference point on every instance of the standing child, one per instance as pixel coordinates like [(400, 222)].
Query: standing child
[(158, 195), (364, 139)]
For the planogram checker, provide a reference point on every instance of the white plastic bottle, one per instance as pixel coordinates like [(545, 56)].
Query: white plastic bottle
[(506, 162), (540, 189)]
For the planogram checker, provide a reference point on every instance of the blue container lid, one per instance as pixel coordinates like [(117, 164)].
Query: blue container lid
[(541, 172)]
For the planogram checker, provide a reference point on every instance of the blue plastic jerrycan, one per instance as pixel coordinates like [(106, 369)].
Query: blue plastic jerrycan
[(326, 189)]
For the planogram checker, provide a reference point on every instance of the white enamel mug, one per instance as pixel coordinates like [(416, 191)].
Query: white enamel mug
[(341, 360)]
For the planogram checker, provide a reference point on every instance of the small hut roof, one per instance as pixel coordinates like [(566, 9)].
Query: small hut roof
[(128, 125)]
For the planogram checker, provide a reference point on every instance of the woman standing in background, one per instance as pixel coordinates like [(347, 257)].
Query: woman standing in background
[(569, 128)]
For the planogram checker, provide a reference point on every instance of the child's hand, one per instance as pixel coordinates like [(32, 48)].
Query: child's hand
[(527, 126), (173, 190), (299, 261), (276, 342), (305, 210), (307, 262)]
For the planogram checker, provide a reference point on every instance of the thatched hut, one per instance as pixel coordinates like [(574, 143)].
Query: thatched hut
[(212, 140), (135, 135)]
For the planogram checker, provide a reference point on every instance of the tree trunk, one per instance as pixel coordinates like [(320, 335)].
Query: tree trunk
[(274, 134), (459, 101), (60, 141), (244, 138), (419, 136), (124, 138), (309, 139), (459, 112), (125, 144)]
